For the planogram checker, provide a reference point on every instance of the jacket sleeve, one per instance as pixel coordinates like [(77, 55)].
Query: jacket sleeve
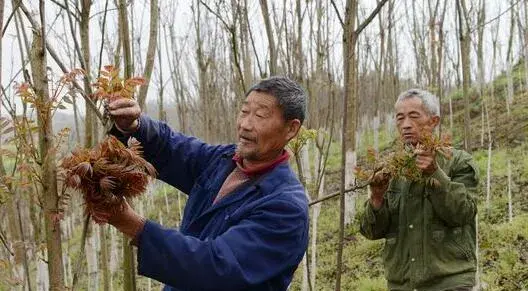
[(179, 159), (374, 224), (258, 248), (453, 198)]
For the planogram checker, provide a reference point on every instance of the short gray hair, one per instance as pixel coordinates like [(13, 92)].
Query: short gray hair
[(429, 100), (290, 96)]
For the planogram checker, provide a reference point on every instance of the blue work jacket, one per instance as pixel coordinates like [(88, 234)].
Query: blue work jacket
[(252, 239)]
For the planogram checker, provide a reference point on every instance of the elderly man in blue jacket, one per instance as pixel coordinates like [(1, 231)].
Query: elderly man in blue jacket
[(245, 225)]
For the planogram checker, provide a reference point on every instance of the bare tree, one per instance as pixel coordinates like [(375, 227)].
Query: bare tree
[(465, 41), (348, 159), (151, 51), (47, 151), (129, 271), (271, 40)]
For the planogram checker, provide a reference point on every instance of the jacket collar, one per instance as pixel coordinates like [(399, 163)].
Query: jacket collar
[(262, 185)]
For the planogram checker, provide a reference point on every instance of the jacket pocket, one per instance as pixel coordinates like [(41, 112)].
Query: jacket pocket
[(446, 254), (392, 259), (458, 241)]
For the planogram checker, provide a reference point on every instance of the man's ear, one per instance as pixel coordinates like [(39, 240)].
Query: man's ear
[(293, 128), (435, 120)]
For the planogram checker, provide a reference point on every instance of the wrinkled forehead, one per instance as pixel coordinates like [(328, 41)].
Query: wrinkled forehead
[(408, 105), (261, 100)]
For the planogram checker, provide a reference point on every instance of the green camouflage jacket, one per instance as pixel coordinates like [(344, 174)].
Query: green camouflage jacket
[(429, 231)]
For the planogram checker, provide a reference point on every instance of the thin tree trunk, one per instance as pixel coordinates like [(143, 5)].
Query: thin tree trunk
[(166, 199), (464, 37), (129, 273), (125, 39), (348, 159), (85, 51), (488, 168), (302, 171), (245, 44), (510, 203), (509, 100), (161, 106), (91, 261), (440, 52), (25, 254), (350, 111), (151, 51), (180, 210), (525, 46), (16, 240), (299, 55), (76, 120), (271, 39), (203, 78), (21, 264), (47, 151), (480, 62)]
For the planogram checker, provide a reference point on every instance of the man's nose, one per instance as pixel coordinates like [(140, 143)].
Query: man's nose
[(406, 123), (246, 122)]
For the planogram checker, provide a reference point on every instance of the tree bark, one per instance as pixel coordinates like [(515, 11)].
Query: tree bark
[(47, 151), (271, 40), (203, 78), (151, 52), (85, 51), (465, 41), (162, 116), (129, 272), (348, 159)]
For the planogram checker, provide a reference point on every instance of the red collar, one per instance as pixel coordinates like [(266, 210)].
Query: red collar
[(261, 168)]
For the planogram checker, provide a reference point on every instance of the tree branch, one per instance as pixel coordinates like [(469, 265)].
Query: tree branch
[(103, 26), (217, 15), (338, 193), (74, 37), (65, 7), (10, 17), (494, 18), (63, 68), (373, 14), (338, 15)]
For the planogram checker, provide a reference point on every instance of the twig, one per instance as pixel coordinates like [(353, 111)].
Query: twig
[(370, 17), (337, 193), (338, 15), (74, 38), (227, 26), (494, 18), (101, 12), (10, 17), (57, 60), (103, 26)]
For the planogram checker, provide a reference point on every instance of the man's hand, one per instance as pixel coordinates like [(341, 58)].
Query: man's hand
[(378, 187), (125, 113), (425, 161), (126, 220)]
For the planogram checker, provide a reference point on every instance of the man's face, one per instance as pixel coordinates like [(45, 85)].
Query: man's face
[(413, 120), (262, 130)]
